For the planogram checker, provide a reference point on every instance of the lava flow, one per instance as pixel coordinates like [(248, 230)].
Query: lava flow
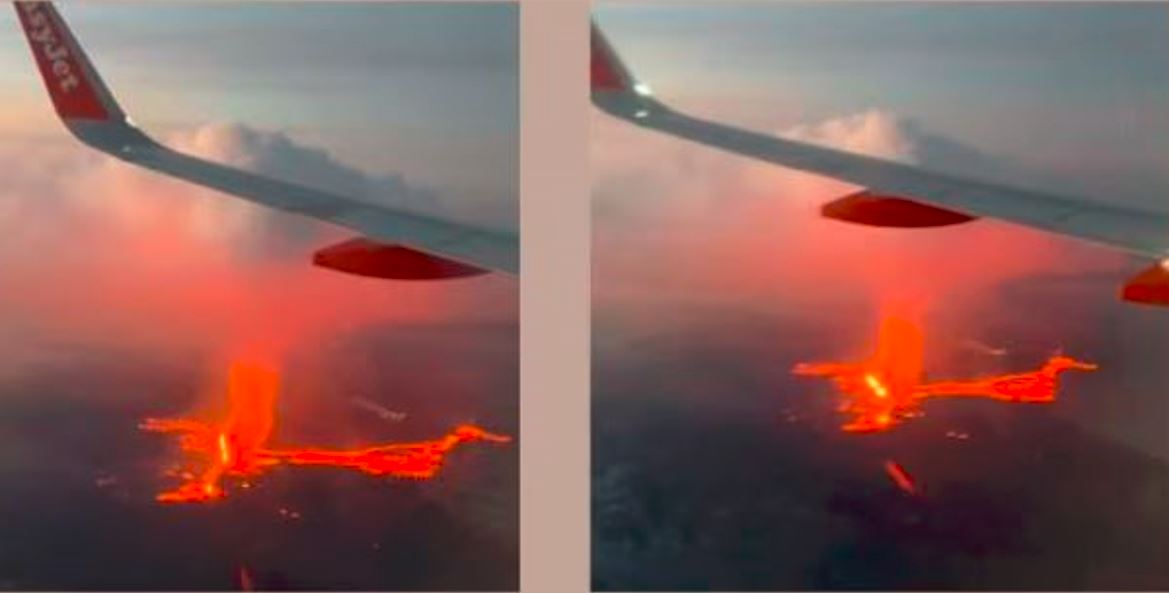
[(888, 387), (900, 477), (236, 446)]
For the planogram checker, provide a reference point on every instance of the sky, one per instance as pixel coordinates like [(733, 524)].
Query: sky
[(144, 290), (402, 89), (714, 275), (1068, 89)]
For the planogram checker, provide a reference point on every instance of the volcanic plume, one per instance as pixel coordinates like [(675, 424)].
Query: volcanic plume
[(236, 446), (889, 387)]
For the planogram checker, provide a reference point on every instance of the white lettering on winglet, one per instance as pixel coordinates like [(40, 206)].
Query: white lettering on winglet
[(54, 50)]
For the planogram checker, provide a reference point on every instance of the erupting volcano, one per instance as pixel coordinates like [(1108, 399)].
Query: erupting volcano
[(888, 387), (236, 446)]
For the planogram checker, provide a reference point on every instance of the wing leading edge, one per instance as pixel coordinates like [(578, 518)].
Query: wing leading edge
[(897, 194), (89, 111)]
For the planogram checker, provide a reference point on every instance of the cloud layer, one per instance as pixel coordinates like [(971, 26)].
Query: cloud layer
[(94, 247)]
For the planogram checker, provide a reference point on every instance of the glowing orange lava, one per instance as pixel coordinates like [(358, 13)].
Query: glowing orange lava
[(235, 447), (888, 387)]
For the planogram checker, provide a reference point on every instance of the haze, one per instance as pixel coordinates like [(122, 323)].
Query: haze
[(714, 467), (127, 295)]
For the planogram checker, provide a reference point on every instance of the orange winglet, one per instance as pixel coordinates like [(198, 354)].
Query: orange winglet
[(61, 66)]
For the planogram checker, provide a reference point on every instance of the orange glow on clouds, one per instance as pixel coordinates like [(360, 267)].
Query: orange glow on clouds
[(98, 250), (236, 446), (889, 388)]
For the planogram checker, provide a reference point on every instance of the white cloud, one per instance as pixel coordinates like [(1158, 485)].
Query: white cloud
[(872, 132)]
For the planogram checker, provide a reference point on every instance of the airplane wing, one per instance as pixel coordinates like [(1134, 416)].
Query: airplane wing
[(393, 244), (896, 194)]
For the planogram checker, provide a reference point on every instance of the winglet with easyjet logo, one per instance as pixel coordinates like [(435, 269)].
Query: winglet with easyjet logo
[(76, 90), (613, 88), (606, 72)]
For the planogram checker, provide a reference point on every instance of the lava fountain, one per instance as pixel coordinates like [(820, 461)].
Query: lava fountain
[(889, 388), (236, 447)]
